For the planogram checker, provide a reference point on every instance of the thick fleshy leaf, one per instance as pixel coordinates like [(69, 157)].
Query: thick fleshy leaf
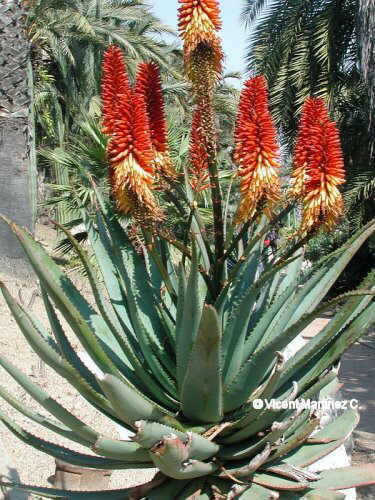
[(170, 489), (65, 347), (172, 465), (315, 494), (196, 226), (350, 309), (53, 359), (249, 426), (67, 455), (237, 328), (105, 310), (142, 307), (52, 425), (266, 323), (329, 271), (70, 495), (277, 483), (194, 490), (129, 404), (201, 395), (336, 432), (190, 321), (255, 491), (347, 477), (316, 287), (180, 301), (326, 357), (151, 433), (86, 323), (126, 451), (254, 369), (291, 274), (88, 434), (101, 245)]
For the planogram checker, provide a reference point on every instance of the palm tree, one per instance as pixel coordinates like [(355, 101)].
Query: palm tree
[(17, 165), (304, 47), (323, 48), (68, 38)]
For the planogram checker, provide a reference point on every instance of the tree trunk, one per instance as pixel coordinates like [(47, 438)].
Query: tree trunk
[(17, 160), (367, 38)]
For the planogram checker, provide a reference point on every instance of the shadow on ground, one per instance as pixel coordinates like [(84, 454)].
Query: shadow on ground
[(357, 373), (12, 494)]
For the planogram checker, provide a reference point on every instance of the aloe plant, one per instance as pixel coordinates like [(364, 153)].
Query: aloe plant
[(189, 334)]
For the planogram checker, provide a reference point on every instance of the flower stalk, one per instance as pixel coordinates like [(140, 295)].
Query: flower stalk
[(199, 23)]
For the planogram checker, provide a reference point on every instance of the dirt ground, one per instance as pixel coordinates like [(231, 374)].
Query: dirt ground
[(29, 465)]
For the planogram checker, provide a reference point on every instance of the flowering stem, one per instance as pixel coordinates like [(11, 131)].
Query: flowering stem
[(206, 107), (226, 209), (188, 228), (159, 264), (256, 238), (196, 224), (217, 211), (235, 240)]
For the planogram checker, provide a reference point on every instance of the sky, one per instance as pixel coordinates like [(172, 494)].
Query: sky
[(233, 34)]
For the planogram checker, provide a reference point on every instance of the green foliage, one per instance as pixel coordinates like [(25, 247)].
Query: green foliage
[(68, 40), (167, 362), (323, 49), (189, 320), (303, 48)]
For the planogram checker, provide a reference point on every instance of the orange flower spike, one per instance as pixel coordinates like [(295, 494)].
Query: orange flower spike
[(256, 152), (199, 22), (131, 159), (115, 83), (318, 167), (198, 156), (149, 86), (312, 108), (130, 151)]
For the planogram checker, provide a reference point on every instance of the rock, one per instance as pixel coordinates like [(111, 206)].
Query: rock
[(364, 452), (364, 442)]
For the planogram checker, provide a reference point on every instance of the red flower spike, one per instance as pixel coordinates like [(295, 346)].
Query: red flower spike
[(149, 86), (115, 83), (130, 151), (199, 22), (198, 155), (318, 167), (256, 152)]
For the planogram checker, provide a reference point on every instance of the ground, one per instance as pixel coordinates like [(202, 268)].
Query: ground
[(31, 466)]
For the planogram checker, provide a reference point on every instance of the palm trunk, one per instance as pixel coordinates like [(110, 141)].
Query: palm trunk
[(17, 152), (367, 39)]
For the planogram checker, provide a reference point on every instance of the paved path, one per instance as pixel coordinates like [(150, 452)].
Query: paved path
[(358, 376), (357, 373)]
